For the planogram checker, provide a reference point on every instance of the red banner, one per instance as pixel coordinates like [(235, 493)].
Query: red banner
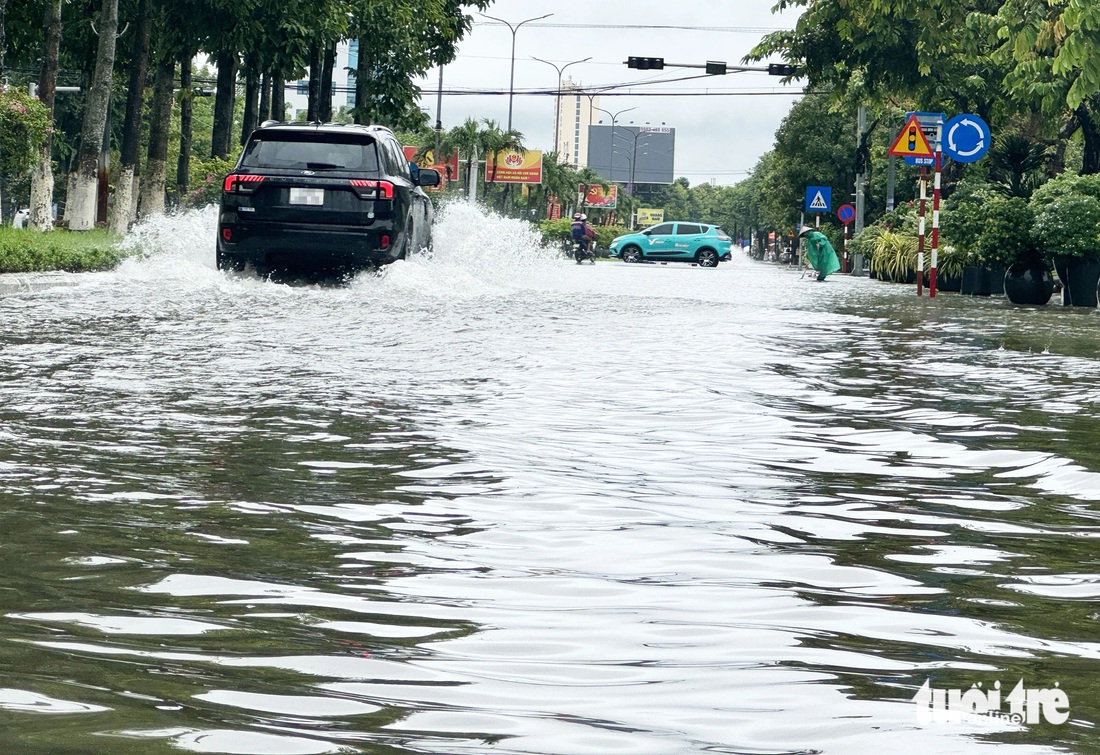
[(448, 170)]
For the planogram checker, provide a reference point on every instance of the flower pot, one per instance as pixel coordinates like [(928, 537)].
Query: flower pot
[(1029, 285), (980, 281), (948, 282), (1079, 279)]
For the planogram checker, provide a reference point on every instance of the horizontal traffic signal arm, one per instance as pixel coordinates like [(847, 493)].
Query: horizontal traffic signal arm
[(712, 67)]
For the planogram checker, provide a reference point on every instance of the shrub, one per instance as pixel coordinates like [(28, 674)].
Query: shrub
[(26, 251), (24, 126), (206, 179), (1006, 239), (1068, 225), (894, 256), (965, 217), (1065, 185)]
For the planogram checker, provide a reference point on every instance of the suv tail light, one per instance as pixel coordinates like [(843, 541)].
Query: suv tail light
[(365, 187), (236, 183)]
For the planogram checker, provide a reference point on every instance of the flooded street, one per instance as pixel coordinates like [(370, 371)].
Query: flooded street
[(495, 502)]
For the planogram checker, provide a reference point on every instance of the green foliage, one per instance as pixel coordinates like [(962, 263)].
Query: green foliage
[(893, 256), (206, 180), (1067, 184), (1005, 239), (24, 126), (1015, 162), (1069, 225), (950, 263), (964, 216), (25, 251), (560, 232)]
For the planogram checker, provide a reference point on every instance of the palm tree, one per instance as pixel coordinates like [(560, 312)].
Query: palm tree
[(1014, 166), (465, 141), (493, 142)]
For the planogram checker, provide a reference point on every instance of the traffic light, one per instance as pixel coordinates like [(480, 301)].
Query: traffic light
[(780, 69), (645, 64), (716, 68)]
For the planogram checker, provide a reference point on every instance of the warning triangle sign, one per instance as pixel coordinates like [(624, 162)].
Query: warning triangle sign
[(819, 203), (911, 142)]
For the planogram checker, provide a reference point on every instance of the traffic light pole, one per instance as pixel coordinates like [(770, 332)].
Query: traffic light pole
[(712, 67)]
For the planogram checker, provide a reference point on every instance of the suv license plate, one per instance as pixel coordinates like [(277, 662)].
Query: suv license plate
[(307, 196)]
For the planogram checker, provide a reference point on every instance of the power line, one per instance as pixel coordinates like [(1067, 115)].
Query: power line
[(657, 27)]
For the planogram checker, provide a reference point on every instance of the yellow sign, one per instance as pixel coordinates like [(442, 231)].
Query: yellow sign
[(650, 217), (515, 168), (911, 142)]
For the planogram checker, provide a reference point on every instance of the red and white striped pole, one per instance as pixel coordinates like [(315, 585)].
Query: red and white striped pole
[(920, 230), (936, 213)]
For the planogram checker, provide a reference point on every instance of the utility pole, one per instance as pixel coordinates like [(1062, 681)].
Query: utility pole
[(861, 178), (439, 118), (891, 176)]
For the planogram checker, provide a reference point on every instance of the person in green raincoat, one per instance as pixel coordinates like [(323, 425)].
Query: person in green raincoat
[(820, 253)]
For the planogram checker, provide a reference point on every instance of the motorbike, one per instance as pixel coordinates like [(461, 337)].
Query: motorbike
[(580, 254)]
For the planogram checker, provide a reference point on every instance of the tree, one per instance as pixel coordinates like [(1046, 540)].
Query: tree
[(80, 210), (1054, 53), (465, 141), (399, 40), (126, 183), (42, 173)]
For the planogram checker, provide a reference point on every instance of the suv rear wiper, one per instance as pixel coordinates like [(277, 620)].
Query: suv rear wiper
[(321, 166)]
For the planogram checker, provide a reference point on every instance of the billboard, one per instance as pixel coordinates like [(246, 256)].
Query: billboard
[(647, 217), (515, 168), (597, 196), (645, 154)]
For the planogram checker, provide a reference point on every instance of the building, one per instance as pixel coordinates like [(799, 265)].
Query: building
[(343, 83), (574, 116)]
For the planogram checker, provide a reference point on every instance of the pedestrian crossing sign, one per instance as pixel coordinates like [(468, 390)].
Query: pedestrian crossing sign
[(912, 142), (819, 198)]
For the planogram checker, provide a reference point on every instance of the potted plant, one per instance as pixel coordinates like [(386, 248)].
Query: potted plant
[(894, 257), (1006, 242), (1067, 231), (949, 268), (965, 220)]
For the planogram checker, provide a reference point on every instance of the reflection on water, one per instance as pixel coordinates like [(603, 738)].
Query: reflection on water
[(491, 501)]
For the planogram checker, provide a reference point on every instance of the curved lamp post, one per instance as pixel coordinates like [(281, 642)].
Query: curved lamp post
[(557, 104), (614, 117), (512, 79)]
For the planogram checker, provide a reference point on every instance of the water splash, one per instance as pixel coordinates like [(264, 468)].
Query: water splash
[(476, 252)]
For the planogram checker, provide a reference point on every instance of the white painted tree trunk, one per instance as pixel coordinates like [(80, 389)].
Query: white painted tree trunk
[(42, 192), (80, 207), (122, 210), (152, 189)]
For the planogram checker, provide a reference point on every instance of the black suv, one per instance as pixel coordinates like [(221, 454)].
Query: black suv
[(322, 197)]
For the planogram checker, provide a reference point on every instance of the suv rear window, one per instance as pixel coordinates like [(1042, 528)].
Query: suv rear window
[(312, 151)]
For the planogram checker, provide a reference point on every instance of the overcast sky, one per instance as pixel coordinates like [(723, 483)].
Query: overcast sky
[(718, 137)]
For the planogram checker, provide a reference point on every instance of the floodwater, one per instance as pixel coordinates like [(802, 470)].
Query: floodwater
[(495, 502)]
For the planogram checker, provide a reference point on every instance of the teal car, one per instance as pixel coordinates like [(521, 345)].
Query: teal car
[(703, 245)]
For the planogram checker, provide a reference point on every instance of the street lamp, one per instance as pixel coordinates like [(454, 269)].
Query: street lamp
[(557, 104), (614, 117), (634, 159), (512, 79)]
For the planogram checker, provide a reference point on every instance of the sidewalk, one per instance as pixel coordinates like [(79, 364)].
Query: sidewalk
[(20, 283)]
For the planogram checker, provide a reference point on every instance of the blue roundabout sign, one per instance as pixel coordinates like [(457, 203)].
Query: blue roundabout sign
[(966, 138)]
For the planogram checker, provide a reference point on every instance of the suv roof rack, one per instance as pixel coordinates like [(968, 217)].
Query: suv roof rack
[(329, 124)]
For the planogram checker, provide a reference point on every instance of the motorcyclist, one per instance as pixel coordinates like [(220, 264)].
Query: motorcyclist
[(583, 234)]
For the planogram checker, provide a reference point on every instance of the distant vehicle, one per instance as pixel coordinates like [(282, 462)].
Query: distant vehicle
[(322, 197), (701, 244)]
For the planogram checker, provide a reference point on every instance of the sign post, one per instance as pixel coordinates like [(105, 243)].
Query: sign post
[(913, 145), (846, 213)]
